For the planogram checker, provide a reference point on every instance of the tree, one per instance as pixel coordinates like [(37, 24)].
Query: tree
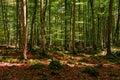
[(109, 25), (18, 25), (33, 24), (93, 25), (116, 34), (73, 27), (24, 30), (5, 22), (42, 26)]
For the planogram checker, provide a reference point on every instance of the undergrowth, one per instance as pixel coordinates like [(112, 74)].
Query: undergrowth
[(55, 65), (90, 70), (36, 66)]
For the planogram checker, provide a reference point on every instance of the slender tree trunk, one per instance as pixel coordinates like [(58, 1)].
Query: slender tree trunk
[(93, 25), (24, 30), (18, 25), (116, 35), (42, 27), (50, 30), (109, 25), (32, 24), (73, 27), (84, 27), (65, 28), (79, 20), (4, 19)]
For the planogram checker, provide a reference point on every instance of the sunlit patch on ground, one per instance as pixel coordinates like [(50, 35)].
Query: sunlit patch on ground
[(3, 64)]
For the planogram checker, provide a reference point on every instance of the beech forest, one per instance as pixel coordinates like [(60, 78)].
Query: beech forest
[(59, 39)]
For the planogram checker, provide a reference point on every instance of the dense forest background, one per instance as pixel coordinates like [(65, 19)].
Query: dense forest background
[(59, 40), (65, 25)]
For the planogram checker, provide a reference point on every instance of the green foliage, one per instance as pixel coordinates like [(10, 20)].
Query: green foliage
[(90, 70), (55, 65), (117, 54), (97, 57), (36, 66)]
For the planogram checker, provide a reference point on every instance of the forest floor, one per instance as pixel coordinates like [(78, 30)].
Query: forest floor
[(84, 66)]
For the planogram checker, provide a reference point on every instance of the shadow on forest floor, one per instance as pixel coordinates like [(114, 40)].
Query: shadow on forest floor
[(61, 66)]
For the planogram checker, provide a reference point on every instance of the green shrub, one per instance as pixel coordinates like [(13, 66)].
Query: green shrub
[(36, 66), (55, 65), (90, 70)]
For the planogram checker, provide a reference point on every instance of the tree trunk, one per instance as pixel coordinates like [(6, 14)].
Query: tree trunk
[(24, 30), (73, 27), (42, 27), (109, 25), (50, 30), (65, 28), (93, 25), (116, 34), (32, 24)]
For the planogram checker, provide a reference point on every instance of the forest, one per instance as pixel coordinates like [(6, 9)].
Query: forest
[(59, 39)]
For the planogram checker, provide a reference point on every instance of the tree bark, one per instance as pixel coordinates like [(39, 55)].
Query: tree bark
[(24, 30), (109, 25), (42, 27), (116, 34), (32, 24), (73, 27), (93, 25)]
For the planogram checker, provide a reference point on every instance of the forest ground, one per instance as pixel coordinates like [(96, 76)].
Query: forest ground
[(83, 66)]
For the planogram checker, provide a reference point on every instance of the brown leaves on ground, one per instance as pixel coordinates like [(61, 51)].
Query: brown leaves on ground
[(70, 71)]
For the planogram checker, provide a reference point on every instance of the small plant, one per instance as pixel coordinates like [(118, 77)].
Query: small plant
[(90, 70), (55, 65), (36, 66)]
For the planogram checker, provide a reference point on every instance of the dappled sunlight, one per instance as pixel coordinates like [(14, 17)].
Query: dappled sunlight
[(4, 64)]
